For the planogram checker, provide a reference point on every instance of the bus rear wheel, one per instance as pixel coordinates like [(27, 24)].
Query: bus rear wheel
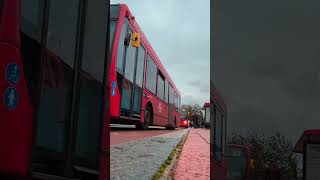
[(147, 119)]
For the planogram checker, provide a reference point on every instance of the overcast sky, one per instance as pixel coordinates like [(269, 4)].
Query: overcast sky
[(179, 32), (266, 64)]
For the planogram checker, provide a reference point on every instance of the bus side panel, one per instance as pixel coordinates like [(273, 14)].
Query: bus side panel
[(115, 99), (160, 110), (15, 106), (16, 116)]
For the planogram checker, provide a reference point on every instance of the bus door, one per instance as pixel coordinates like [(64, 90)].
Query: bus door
[(63, 56), (130, 73)]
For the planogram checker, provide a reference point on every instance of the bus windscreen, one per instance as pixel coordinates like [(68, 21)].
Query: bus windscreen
[(183, 114), (237, 164)]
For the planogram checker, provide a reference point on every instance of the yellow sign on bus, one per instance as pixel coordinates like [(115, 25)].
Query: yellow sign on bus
[(135, 40)]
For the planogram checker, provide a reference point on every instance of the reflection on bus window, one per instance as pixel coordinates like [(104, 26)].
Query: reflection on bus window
[(113, 25), (219, 134), (151, 77), (236, 162), (91, 78), (31, 16), (121, 47), (58, 75), (160, 90)]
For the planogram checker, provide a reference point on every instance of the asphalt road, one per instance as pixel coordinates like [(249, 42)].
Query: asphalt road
[(125, 133)]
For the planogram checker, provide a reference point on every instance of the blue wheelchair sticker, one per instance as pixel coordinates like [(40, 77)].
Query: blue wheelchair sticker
[(113, 86), (13, 73), (11, 98)]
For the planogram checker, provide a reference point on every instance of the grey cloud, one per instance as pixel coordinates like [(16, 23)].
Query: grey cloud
[(265, 63), (179, 31)]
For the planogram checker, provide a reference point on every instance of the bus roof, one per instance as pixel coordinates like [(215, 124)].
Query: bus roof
[(311, 135), (126, 12)]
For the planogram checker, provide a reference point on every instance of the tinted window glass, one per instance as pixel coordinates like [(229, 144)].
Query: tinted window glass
[(31, 15), (113, 25), (160, 90), (121, 47), (175, 100), (166, 93), (31, 18), (130, 62), (151, 79), (171, 95), (218, 134), (58, 75), (114, 11), (137, 99), (140, 66), (91, 86), (236, 162)]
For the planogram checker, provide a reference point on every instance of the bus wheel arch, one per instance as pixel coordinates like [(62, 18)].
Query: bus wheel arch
[(148, 114), (149, 105)]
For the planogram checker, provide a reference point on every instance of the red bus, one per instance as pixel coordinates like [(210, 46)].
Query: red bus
[(143, 93), (239, 162), (53, 86), (184, 122), (218, 127)]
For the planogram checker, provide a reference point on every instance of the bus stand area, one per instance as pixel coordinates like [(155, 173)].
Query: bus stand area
[(309, 145)]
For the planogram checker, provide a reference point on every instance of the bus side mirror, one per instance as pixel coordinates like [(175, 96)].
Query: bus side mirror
[(135, 40), (127, 39)]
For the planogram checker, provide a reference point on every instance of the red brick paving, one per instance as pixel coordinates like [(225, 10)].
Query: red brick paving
[(194, 161)]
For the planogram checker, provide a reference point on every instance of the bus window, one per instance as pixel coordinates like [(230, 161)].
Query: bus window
[(57, 82), (237, 163), (160, 86), (91, 88), (151, 79), (127, 87), (218, 138), (223, 135), (166, 93), (139, 80), (31, 17), (121, 47), (130, 62), (113, 25)]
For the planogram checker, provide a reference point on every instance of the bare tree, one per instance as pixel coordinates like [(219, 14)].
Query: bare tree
[(269, 151)]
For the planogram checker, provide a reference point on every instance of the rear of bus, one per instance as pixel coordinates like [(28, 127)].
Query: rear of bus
[(239, 165), (184, 122)]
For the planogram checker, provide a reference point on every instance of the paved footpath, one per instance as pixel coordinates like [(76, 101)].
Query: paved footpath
[(140, 159), (194, 160)]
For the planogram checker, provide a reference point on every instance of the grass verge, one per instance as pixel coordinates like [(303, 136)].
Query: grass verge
[(168, 165)]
